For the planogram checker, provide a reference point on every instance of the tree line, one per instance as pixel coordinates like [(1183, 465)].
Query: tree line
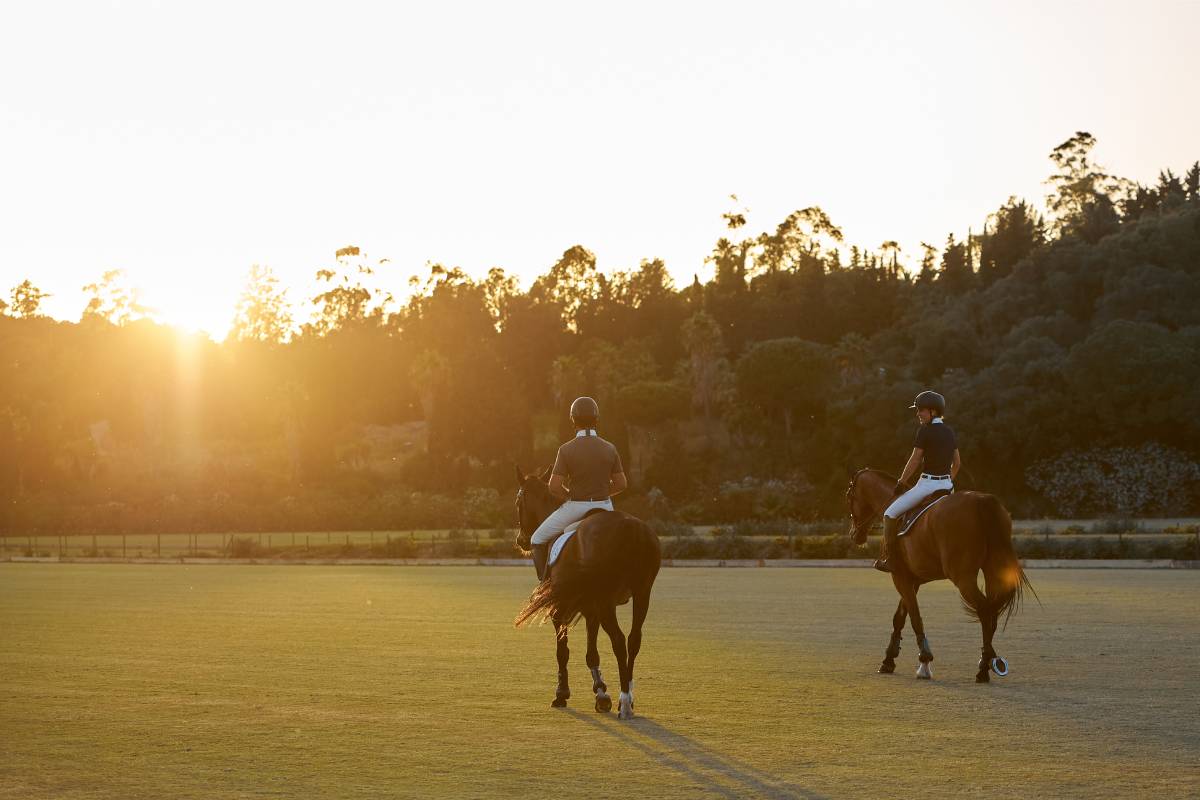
[(1067, 343)]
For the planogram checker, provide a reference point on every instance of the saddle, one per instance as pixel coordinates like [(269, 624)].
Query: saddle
[(910, 517)]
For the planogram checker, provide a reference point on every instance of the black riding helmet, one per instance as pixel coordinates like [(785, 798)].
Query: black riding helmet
[(931, 400), (584, 412)]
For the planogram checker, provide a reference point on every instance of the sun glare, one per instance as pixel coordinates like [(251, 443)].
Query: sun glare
[(208, 311)]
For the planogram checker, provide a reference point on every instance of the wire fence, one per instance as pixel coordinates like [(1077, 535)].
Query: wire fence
[(216, 545)]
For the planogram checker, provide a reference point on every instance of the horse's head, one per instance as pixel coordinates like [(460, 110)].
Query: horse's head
[(862, 495), (534, 504)]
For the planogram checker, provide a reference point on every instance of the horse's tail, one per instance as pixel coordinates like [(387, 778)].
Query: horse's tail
[(1001, 568), (574, 586)]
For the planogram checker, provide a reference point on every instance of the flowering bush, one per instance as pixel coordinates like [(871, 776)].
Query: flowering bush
[(1148, 479)]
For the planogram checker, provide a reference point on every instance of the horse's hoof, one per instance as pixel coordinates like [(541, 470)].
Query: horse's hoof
[(558, 702), (604, 704), (886, 668), (625, 707), (924, 672), (982, 677)]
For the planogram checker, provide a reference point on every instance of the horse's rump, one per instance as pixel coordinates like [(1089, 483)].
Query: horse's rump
[(604, 562), (975, 532)]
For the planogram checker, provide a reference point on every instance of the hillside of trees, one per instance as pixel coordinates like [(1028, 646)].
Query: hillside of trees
[(1067, 344)]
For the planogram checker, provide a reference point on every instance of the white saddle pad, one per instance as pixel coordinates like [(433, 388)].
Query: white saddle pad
[(557, 547)]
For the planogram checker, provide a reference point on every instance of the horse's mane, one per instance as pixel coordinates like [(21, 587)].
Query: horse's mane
[(886, 475)]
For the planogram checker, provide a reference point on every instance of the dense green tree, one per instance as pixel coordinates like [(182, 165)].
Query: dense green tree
[(1013, 233), (790, 379), (1083, 200)]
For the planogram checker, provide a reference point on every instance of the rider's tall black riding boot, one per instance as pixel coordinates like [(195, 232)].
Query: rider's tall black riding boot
[(540, 553), (890, 551)]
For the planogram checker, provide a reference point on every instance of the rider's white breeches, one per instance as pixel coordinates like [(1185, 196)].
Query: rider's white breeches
[(910, 499), (564, 515)]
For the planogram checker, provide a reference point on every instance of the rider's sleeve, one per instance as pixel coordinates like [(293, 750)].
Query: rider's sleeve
[(560, 464), (616, 465), (919, 441)]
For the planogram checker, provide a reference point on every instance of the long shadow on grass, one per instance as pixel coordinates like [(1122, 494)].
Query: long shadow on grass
[(694, 761)]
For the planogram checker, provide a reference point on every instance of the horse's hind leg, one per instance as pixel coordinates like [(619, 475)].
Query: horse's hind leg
[(968, 587), (641, 605), (893, 649), (599, 688), (608, 620), (988, 658), (563, 692)]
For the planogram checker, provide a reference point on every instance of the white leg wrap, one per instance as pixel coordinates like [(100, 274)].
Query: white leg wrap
[(626, 706)]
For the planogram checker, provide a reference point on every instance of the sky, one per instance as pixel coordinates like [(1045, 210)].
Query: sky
[(184, 142)]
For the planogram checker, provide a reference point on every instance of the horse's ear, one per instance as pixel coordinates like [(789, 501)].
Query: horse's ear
[(520, 475)]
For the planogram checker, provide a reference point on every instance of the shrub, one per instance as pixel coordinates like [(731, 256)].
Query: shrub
[(1117, 480)]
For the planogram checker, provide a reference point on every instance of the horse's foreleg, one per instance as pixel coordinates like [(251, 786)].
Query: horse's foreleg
[(893, 649), (908, 594), (608, 620), (599, 688), (563, 692)]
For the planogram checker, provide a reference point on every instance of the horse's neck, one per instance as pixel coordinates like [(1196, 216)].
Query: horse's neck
[(879, 487)]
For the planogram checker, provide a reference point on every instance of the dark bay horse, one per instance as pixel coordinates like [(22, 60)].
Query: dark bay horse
[(955, 539), (612, 558)]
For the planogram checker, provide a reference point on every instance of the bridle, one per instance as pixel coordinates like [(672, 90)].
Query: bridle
[(521, 515), (855, 525)]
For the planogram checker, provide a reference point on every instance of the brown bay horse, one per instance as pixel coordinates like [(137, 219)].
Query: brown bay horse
[(612, 558), (955, 539)]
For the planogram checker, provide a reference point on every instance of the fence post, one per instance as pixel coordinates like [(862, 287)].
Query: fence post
[(95, 552), (124, 550), (306, 542), (269, 538)]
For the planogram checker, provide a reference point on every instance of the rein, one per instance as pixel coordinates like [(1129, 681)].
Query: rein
[(855, 525)]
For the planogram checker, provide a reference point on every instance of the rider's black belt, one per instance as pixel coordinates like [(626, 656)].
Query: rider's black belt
[(589, 499), (935, 477)]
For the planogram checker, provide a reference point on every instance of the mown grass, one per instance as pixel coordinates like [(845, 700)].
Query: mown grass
[(120, 681)]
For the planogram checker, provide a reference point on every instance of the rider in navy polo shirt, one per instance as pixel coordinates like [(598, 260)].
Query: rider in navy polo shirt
[(934, 456)]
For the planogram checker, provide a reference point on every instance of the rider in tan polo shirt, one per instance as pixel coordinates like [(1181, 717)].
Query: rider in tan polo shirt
[(586, 474)]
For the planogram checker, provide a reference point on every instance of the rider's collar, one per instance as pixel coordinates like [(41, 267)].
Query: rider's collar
[(936, 420), (585, 432)]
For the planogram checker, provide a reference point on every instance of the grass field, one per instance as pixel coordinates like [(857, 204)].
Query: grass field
[(122, 681)]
